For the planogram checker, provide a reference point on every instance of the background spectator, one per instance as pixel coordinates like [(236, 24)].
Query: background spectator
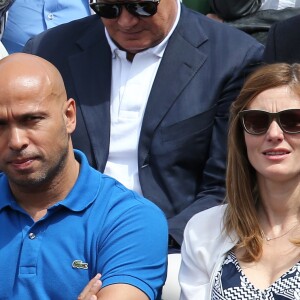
[(283, 44), (27, 18), (254, 17)]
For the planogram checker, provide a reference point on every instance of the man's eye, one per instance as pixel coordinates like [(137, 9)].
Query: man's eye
[(34, 118)]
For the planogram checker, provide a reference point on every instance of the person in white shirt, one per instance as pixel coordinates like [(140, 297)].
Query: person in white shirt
[(249, 248)]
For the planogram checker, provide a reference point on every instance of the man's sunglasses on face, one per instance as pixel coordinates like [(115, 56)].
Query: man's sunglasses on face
[(113, 10), (258, 121)]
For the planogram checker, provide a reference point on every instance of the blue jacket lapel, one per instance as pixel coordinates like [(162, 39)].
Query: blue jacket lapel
[(181, 60), (92, 80)]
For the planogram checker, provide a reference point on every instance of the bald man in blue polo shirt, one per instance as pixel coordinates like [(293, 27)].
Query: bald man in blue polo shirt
[(62, 222)]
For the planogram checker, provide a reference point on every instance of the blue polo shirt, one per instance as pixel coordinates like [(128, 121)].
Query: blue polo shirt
[(101, 226)]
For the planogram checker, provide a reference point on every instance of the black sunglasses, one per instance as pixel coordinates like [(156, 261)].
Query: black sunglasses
[(258, 121), (112, 10)]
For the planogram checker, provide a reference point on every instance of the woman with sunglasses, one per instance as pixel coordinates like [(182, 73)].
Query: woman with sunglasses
[(249, 248)]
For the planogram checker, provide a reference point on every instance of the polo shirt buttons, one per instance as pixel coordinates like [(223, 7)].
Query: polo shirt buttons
[(31, 235)]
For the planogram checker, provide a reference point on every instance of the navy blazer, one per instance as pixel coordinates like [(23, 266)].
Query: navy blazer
[(283, 44), (182, 145)]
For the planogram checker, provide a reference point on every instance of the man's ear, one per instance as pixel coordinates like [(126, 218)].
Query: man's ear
[(70, 115)]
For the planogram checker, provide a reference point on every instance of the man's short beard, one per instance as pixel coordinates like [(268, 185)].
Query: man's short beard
[(44, 177)]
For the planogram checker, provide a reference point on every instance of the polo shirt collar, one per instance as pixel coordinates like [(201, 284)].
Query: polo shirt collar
[(82, 195), (86, 188)]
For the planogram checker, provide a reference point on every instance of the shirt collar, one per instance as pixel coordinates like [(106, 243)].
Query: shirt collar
[(79, 198), (158, 50)]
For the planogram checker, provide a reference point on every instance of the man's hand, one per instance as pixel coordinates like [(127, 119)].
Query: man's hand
[(91, 289)]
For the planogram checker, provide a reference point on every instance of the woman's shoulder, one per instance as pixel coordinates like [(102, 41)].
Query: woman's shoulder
[(205, 243), (207, 222)]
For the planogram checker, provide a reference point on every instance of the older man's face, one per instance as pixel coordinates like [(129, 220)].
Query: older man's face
[(135, 34)]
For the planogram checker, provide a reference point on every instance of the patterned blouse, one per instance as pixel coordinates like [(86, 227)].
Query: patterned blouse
[(231, 283)]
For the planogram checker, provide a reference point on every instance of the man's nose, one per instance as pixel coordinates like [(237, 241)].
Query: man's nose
[(126, 19), (17, 139)]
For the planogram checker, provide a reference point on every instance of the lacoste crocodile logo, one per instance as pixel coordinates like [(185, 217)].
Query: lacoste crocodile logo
[(79, 264)]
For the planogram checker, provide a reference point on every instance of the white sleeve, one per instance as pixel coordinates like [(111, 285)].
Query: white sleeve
[(203, 249), (193, 276)]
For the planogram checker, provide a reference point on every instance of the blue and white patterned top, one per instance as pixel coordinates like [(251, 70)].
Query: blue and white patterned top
[(231, 283)]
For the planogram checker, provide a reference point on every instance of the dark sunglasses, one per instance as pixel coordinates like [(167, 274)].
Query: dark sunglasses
[(106, 10), (258, 121)]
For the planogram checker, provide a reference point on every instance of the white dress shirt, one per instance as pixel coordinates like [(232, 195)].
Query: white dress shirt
[(130, 89)]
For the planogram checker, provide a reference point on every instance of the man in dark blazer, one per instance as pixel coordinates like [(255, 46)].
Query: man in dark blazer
[(182, 142), (283, 44)]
